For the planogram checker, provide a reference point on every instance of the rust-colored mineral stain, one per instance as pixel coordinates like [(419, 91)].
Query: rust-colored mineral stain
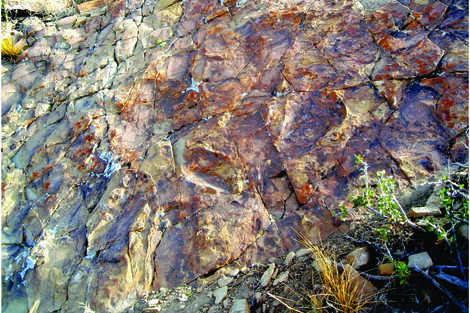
[(386, 43), (215, 30), (432, 14), (95, 164), (50, 198), (194, 167), (160, 79), (89, 137), (47, 169), (415, 25), (305, 193), (82, 73)]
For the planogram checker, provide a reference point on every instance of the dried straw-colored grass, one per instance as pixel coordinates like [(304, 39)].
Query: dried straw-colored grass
[(340, 290), (10, 49)]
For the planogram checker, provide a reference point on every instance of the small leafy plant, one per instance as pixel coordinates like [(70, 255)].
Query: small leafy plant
[(383, 233), (454, 200), (402, 271), (380, 198)]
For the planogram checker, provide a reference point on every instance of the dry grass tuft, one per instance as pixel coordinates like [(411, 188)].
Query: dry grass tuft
[(341, 288), (10, 49)]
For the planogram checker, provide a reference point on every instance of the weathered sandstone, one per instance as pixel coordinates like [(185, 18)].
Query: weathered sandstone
[(150, 143)]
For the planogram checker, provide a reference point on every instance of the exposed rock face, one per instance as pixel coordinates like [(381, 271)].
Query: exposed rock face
[(152, 142)]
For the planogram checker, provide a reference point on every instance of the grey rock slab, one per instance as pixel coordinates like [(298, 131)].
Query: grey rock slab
[(240, 306), (266, 278), (302, 252), (25, 74), (463, 230), (11, 96), (25, 154), (358, 257), (234, 272), (40, 51), (289, 258), (281, 278), (424, 211), (225, 281), (373, 5), (124, 48), (421, 260), (220, 294)]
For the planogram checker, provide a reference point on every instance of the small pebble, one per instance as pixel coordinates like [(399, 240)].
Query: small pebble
[(302, 252), (290, 256), (282, 278), (224, 281), (266, 278), (220, 294), (386, 269), (420, 260), (153, 302), (240, 306), (234, 272)]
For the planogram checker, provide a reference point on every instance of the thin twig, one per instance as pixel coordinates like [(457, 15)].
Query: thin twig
[(456, 248), (410, 223), (283, 303), (450, 279), (447, 293), (447, 267), (377, 277)]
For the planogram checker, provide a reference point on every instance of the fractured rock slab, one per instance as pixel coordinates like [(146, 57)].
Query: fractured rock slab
[(424, 211), (420, 260), (267, 275), (358, 257), (150, 143), (240, 306)]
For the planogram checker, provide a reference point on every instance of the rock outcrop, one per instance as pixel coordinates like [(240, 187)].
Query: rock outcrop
[(149, 143)]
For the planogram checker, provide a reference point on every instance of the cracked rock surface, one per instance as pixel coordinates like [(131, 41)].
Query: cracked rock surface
[(146, 144)]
